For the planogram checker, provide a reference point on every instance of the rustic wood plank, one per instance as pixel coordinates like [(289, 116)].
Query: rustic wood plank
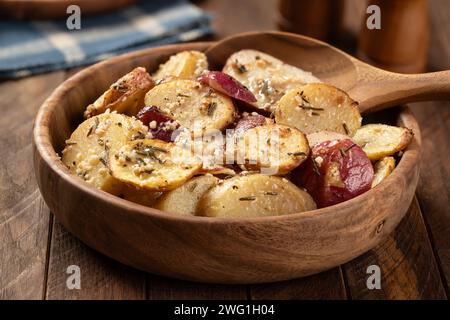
[(323, 286), (433, 191), (408, 267), (166, 288), (24, 217), (101, 277)]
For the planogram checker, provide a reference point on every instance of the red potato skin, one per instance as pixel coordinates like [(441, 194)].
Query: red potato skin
[(226, 84), (353, 176), (152, 113), (249, 122)]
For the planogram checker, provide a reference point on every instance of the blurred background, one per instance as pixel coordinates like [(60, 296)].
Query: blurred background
[(38, 36)]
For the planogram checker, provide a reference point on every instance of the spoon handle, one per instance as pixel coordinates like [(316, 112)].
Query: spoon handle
[(381, 89)]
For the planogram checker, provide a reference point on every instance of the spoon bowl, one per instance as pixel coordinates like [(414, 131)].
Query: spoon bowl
[(373, 88)]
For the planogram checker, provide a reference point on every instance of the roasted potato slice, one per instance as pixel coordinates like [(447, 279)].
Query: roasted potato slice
[(144, 197), (126, 95), (192, 104), (382, 169), (183, 65), (183, 200), (337, 171), (381, 140), (322, 136), (87, 150), (265, 76), (254, 195), (318, 107), (273, 147), (153, 164)]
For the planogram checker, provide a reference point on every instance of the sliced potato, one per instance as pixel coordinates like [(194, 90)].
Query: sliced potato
[(184, 65), (87, 150), (322, 136), (143, 197), (126, 95), (319, 107), (254, 195), (382, 169), (272, 147), (183, 200), (381, 140), (192, 104), (153, 164), (265, 76)]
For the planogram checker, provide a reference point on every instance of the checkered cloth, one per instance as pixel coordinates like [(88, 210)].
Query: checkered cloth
[(28, 48)]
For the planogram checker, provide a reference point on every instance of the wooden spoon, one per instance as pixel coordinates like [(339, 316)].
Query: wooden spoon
[(373, 88)]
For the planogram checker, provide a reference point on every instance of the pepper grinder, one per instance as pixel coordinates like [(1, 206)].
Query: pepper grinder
[(401, 44), (319, 19)]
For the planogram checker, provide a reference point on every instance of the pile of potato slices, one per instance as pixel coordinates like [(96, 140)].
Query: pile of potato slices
[(259, 138)]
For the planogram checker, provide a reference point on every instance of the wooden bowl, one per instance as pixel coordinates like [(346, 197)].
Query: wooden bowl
[(50, 9), (250, 250)]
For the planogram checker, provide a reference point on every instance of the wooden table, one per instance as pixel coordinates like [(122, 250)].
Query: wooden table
[(35, 250)]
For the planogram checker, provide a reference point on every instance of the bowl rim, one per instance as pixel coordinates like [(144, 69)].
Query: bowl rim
[(43, 145)]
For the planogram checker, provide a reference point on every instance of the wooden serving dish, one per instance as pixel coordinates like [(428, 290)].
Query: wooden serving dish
[(249, 250)]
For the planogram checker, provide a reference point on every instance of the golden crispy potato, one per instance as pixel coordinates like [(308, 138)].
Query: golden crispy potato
[(322, 136), (380, 140), (192, 104), (382, 169), (183, 65), (319, 107), (153, 164), (184, 199), (254, 195), (265, 76), (88, 148), (126, 95), (272, 147)]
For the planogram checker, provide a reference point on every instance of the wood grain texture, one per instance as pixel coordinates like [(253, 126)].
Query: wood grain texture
[(206, 249), (328, 285), (24, 217), (101, 277), (172, 289), (408, 267), (434, 188)]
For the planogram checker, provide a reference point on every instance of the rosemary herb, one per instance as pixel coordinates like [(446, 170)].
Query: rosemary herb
[(344, 125), (310, 108), (353, 145), (315, 168), (93, 127), (104, 162), (249, 198), (211, 108), (192, 187), (183, 95), (121, 87), (270, 193), (241, 68), (297, 154), (70, 143), (265, 87)]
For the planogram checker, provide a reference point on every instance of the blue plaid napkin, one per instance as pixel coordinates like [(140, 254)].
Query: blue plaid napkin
[(28, 48)]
